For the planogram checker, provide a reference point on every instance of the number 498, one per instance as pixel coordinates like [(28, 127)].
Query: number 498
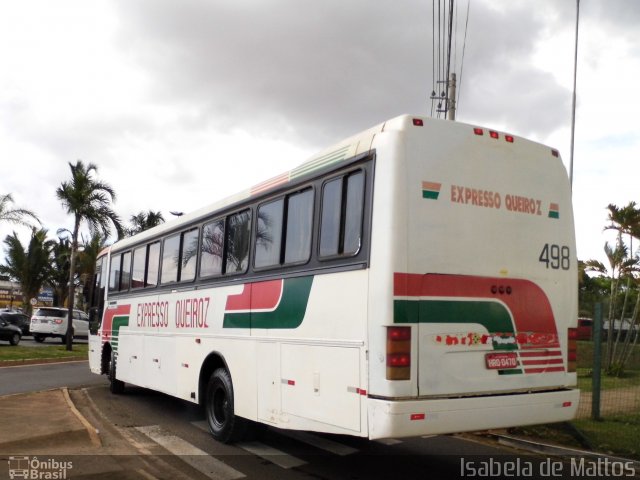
[(555, 256)]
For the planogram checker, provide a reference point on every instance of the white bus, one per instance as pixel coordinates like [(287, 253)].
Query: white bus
[(417, 278)]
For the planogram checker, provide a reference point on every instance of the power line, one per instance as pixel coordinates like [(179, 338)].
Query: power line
[(443, 62)]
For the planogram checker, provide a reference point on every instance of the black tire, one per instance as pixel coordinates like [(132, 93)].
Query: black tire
[(224, 425), (38, 338), (115, 386), (15, 339)]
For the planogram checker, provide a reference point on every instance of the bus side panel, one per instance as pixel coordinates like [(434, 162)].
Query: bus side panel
[(95, 354), (389, 246), (322, 384)]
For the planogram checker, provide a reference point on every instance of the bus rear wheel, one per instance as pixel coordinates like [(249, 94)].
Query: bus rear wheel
[(224, 425)]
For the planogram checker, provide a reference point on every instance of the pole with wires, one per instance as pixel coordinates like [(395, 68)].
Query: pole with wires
[(573, 109)]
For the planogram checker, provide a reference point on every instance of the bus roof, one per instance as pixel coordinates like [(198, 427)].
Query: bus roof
[(332, 156)]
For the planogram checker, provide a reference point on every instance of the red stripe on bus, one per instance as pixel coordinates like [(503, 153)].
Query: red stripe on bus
[(547, 353), (544, 361), (544, 370), (256, 296), (527, 302)]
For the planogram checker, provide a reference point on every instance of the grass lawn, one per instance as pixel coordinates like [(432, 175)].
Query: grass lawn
[(11, 353), (616, 436)]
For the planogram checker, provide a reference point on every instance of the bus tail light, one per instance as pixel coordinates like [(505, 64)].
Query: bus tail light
[(572, 355), (398, 353)]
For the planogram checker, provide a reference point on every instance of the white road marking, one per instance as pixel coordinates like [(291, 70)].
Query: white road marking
[(192, 455), (278, 457)]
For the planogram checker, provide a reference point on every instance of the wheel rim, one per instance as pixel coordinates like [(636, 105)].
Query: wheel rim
[(219, 406)]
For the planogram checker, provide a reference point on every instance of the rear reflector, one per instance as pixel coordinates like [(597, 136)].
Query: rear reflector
[(418, 416), (417, 122), (398, 353), (566, 404)]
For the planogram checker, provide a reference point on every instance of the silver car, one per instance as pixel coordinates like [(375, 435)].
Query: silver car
[(52, 322)]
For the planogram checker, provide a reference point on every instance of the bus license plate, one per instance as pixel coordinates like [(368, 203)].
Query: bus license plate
[(499, 361)]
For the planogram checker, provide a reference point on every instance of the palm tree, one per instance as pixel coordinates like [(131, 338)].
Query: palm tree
[(625, 220), (30, 267), (87, 262), (89, 201), (14, 215), (144, 221), (59, 279)]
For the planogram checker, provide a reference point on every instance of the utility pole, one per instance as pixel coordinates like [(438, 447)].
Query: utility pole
[(451, 101), (573, 110)]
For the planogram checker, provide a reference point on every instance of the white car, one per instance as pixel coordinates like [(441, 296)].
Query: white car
[(52, 322)]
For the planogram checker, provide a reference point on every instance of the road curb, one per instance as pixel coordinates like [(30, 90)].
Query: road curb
[(39, 361), (91, 430)]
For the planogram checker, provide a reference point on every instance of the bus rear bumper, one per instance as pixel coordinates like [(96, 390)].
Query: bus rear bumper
[(410, 418)]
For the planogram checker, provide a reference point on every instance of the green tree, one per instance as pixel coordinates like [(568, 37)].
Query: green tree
[(144, 221), (88, 201), (59, 278), (14, 215), (87, 258), (30, 267)]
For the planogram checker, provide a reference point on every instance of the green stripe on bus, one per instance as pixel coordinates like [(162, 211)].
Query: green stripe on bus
[(288, 314), (510, 372), (117, 322), (492, 315)]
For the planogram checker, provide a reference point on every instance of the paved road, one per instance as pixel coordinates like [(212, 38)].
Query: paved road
[(177, 427), (31, 378)]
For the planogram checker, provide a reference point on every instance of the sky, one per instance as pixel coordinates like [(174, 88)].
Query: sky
[(180, 104)]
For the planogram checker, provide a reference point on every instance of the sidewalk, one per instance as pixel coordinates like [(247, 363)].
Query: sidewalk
[(61, 432)]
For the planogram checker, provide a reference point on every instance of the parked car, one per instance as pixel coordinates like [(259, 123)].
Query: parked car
[(52, 322), (9, 333), (18, 319)]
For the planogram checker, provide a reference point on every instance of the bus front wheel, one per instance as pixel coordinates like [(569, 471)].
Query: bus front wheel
[(225, 426)]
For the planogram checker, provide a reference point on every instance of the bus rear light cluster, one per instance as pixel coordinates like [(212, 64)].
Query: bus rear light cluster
[(398, 353), (572, 350), (493, 134)]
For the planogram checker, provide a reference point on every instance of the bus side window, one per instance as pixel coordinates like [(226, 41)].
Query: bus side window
[(212, 248), (139, 263), (189, 255), (153, 263), (237, 242), (269, 234), (170, 259), (299, 226), (342, 214), (114, 273), (125, 277)]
